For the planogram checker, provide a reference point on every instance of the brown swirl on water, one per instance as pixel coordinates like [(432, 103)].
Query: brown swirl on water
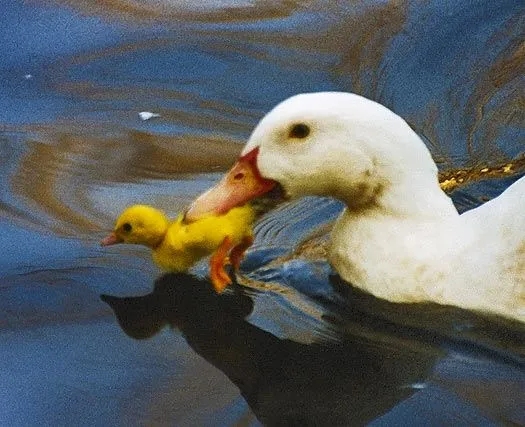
[(358, 37), (58, 172), (144, 10), (428, 130), (214, 115), (501, 85), (362, 41), (505, 75)]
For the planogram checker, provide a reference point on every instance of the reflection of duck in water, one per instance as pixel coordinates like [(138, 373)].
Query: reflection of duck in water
[(353, 381), (178, 246), (400, 237)]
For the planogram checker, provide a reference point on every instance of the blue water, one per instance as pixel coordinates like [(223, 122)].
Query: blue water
[(289, 346)]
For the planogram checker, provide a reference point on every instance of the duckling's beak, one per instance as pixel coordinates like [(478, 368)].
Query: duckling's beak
[(241, 184), (111, 239)]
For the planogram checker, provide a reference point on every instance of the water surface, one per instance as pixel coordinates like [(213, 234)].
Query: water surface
[(290, 344)]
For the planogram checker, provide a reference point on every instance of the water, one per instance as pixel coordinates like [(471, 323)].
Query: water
[(291, 345)]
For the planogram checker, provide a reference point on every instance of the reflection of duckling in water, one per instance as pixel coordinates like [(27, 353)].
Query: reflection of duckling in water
[(177, 246)]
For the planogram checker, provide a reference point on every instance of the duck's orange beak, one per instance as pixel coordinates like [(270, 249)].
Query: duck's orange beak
[(111, 239), (241, 184)]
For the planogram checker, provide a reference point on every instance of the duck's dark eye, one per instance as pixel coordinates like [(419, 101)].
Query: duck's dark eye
[(126, 227), (299, 130)]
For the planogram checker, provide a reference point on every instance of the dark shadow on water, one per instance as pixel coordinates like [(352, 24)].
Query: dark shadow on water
[(353, 380), (447, 327), (382, 357)]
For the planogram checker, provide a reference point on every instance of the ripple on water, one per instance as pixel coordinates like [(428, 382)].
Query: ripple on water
[(76, 183), (166, 10), (403, 54), (452, 69)]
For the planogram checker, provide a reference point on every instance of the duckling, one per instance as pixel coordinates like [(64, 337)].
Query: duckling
[(177, 246)]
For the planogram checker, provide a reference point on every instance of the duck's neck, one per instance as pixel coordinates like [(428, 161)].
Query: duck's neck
[(404, 229), (421, 199), (418, 198)]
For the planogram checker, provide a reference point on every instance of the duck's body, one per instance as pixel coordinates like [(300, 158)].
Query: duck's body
[(400, 237), (177, 246), (473, 260)]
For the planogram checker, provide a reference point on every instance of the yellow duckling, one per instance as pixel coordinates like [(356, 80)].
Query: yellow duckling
[(177, 246)]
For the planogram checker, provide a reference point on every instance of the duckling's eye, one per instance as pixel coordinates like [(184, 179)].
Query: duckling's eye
[(299, 130), (126, 227)]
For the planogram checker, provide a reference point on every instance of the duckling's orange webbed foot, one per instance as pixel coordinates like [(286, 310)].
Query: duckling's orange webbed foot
[(237, 253), (219, 278)]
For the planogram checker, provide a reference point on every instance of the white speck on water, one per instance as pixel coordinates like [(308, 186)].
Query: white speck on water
[(416, 386), (28, 76), (146, 115)]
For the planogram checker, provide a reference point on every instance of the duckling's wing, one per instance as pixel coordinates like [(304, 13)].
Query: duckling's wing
[(176, 235)]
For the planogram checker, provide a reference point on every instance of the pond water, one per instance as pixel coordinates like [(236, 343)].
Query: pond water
[(97, 336)]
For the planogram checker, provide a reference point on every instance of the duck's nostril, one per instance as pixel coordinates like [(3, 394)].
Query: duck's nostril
[(238, 176)]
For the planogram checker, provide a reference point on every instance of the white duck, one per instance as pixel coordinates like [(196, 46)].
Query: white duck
[(400, 237)]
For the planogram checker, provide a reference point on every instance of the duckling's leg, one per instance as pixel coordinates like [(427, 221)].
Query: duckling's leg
[(219, 277), (237, 253)]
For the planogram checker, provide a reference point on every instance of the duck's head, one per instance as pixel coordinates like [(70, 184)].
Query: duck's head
[(139, 224), (326, 144)]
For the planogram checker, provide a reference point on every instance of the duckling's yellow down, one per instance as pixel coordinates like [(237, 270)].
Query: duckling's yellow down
[(185, 244), (178, 246)]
